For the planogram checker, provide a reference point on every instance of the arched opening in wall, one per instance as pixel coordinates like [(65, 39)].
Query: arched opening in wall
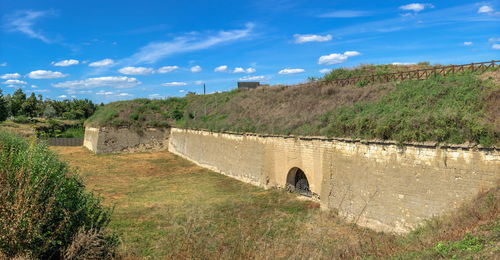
[(296, 181)]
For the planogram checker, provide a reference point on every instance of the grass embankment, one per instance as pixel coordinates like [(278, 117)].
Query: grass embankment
[(166, 207), (369, 69), (448, 109)]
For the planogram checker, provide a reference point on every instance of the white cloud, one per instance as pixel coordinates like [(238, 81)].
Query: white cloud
[(495, 43), (105, 93), (344, 14), (403, 63), (324, 71), (136, 71), (250, 70), (252, 78), (303, 38), (4, 64), (14, 81), (199, 82), (125, 95), (182, 91), (468, 43), (352, 53), (195, 69), (155, 96), (290, 71), (222, 68), (485, 9), (239, 70), (65, 63), (333, 58), (167, 69), (225, 68), (24, 21), (336, 58), (174, 84), (39, 90), (156, 51), (101, 63), (10, 76), (62, 96), (115, 82), (46, 74), (416, 7)]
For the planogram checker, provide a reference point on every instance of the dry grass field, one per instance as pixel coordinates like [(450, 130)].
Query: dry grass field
[(167, 207)]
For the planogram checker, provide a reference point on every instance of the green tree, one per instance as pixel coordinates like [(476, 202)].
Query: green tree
[(49, 111), (3, 108), (17, 101), (29, 107)]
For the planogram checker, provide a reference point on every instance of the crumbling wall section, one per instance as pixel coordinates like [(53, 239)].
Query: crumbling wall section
[(125, 140)]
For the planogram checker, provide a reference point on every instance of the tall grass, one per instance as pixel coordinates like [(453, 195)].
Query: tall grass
[(42, 203), (444, 109)]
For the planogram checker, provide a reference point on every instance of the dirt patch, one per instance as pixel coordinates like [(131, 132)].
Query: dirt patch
[(493, 108), (491, 75)]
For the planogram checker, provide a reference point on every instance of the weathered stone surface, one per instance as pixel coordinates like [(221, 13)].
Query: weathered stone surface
[(125, 140), (378, 185)]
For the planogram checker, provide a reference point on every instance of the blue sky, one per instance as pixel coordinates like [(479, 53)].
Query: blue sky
[(117, 50)]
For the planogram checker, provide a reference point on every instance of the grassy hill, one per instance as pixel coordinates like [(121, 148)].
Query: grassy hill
[(457, 109)]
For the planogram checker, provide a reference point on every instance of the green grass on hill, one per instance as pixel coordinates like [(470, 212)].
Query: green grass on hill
[(449, 109), (139, 113), (444, 109), (369, 69)]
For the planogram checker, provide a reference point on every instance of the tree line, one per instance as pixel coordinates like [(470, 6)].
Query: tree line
[(18, 104)]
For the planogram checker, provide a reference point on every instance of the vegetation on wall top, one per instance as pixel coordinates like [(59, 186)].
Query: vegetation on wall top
[(456, 109)]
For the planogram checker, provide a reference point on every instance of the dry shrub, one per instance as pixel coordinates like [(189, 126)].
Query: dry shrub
[(18, 257), (89, 244)]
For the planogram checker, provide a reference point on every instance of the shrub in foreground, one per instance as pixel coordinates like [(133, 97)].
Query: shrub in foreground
[(43, 206)]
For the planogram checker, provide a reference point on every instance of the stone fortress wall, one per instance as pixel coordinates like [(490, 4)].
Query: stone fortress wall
[(383, 186), (125, 140), (380, 185)]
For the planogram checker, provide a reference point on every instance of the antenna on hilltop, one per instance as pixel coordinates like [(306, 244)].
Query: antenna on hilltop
[(204, 89)]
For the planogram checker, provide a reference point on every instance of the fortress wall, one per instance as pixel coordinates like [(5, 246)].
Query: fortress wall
[(125, 140), (378, 185)]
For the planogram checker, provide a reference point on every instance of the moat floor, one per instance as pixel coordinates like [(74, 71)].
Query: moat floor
[(167, 207)]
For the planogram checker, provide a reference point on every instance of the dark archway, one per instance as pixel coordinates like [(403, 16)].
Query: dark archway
[(296, 181)]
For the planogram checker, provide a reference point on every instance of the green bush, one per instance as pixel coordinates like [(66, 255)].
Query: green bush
[(21, 120), (468, 244), (73, 132), (42, 203)]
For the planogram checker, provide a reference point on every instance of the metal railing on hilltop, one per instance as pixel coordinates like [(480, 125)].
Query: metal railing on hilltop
[(417, 74)]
